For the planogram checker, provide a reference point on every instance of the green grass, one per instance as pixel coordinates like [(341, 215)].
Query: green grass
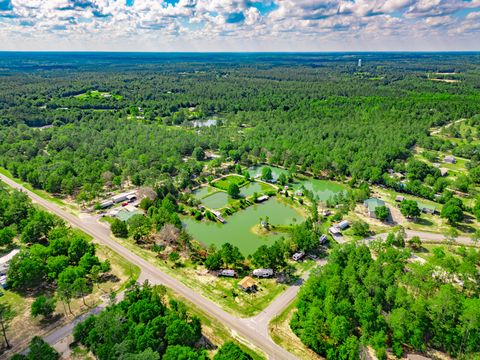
[(225, 182), (95, 94)]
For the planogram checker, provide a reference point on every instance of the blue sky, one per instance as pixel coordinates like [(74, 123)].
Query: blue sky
[(240, 25)]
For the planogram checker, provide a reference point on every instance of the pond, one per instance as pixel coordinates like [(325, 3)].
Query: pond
[(238, 229), (255, 187), (216, 200), (322, 189), (256, 171), (203, 192)]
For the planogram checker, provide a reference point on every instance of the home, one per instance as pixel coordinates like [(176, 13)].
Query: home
[(342, 225), (298, 256), (264, 273), (247, 284), (227, 273), (450, 159), (262, 198), (372, 204), (323, 239), (399, 198)]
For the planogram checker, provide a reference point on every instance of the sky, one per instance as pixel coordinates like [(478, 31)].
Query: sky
[(239, 25)]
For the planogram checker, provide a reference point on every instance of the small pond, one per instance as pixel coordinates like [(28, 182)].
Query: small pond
[(238, 229)]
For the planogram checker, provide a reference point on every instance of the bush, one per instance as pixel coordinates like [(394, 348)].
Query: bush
[(119, 228)]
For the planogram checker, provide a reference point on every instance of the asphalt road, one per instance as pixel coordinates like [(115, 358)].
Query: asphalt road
[(253, 330)]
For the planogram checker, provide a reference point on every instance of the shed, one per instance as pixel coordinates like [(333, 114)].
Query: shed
[(342, 225), (371, 204), (265, 273), (227, 273), (326, 213), (106, 204), (262, 198), (247, 284), (443, 171), (299, 193), (298, 256), (399, 198), (450, 159)]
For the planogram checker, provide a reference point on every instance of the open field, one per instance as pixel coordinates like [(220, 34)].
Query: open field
[(224, 182)]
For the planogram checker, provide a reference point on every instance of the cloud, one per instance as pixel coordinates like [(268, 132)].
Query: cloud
[(263, 24)]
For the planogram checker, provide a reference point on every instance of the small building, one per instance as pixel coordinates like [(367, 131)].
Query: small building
[(342, 225), (5, 261), (227, 273), (399, 198), (326, 213), (323, 239), (443, 171), (262, 198), (450, 159), (299, 193), (264, 224), (399, 175), (298, 256), (335, 231), (247, 284), (218, 216), (436, 164), (372, 204), (264, 273)]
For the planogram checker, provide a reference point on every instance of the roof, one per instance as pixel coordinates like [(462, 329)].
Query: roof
[(400, 198), (247, 282), (343, 224), (373, 203), (6, 258), (334, 230), (228, 272)]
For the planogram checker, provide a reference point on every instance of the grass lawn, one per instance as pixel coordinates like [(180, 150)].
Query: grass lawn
[(223, 291), (95, 94), (281, 333), (226, 181)]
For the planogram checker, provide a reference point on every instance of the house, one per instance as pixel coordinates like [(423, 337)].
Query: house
[(443, 171), (227, 273), (299, 193), (265, 273), (335, 231), (323, 239), (342, 225), (262, 198), (450, 159), (247, 284), (298, 256), (399, 198), (372, 204)]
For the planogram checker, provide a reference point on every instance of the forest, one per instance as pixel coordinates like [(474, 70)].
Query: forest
[(375, 297), (319, 114)]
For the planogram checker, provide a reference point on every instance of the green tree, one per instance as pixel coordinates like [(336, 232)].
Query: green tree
[(6, 316), (452, 211), (119, 228), (39, 349), (198, 154), (43, 306), (231, 351), (267, 174), (233, 190), (360, 228), (173, 256), (410, 209), (415, 242), (178, 352), (6, 236), (382, 213)]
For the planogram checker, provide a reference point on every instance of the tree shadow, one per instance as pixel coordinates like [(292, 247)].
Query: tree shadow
[(424, 222)]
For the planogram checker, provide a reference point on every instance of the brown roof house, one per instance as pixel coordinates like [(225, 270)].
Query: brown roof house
[(247, 284)]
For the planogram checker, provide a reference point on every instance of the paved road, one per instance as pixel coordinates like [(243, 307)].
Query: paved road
[(427, 237), (252, 330)]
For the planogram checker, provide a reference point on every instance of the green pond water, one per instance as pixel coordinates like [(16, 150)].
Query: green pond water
[(216, 201), (322, 189), (255, 187), (237, 230)]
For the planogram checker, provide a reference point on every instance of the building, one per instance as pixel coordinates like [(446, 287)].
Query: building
[(247, 284), (299, 193), (227, 273), (262, 198), (323, 239), (218, 216), (342, 225), (298, 256), (5, 261), (106, 204), (326, 213), (450, 159), (334, 231), (264, 273), (399, 198), (443, 171), (372, 204)]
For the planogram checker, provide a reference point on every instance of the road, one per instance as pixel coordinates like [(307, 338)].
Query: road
[(427, 237), (252, 331)]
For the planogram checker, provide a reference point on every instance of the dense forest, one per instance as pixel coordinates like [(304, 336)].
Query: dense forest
[(144, 326), (366, 297), (72, 128)]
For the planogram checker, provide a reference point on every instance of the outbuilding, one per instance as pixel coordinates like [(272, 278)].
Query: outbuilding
[(450, 159), (262, 198), (342, 225), (372, 204), (247, 284), (298, 256), (399, 198), (323, 239), (227, 273)]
